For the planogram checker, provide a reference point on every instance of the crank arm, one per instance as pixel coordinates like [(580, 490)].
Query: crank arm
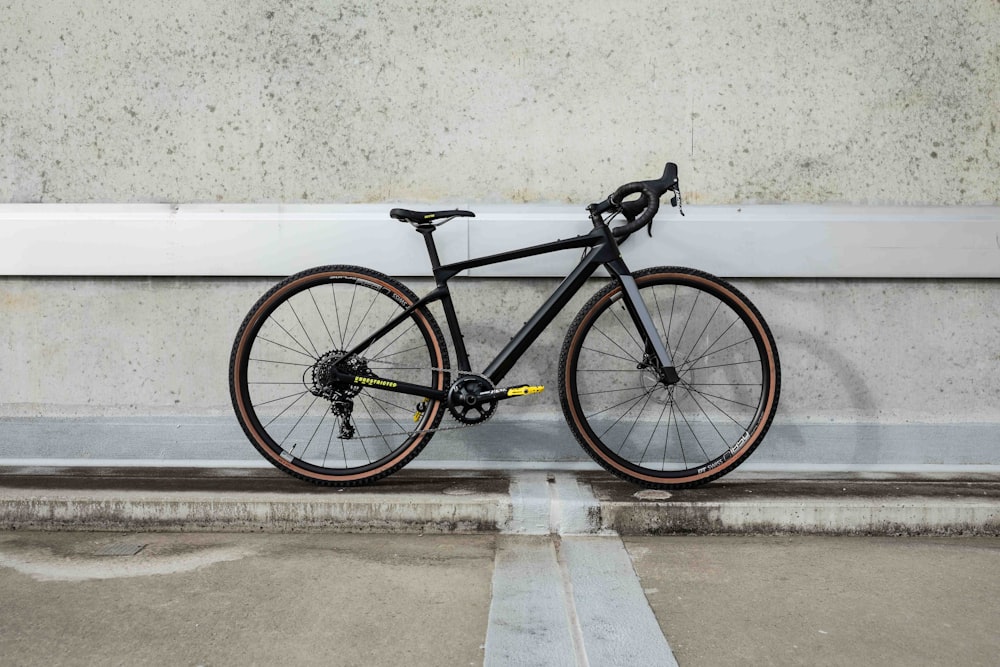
[(511, 392)]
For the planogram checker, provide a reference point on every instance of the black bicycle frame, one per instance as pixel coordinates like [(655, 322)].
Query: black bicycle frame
[(603, 252)]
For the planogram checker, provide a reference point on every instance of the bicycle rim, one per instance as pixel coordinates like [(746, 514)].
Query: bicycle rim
[(695, 430), (309, 320)]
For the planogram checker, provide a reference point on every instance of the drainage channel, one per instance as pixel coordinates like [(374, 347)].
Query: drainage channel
[(564, 590)]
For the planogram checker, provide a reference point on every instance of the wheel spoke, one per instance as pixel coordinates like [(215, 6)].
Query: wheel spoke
[(380, 401), (598, 330), (323, 319), (299, 382), (385, 356), (646, 448), (631, 398), (721, 398), (710, 420), (375, 424), (275, 400), (702, 334), (659, 313), (268, 340), (735, 363), (606, 391), (692, 362), (713, 404), (680, 440), (636, 421), (350, 309), (404, 332), (297, 422), (321, 420), (283, 363), (688, 320), (336, 311), (302, 326), (666, 439), (625, 328), (634, 403), (696, 438), (590, 349), (289, 334), (363, 318), (275, 417)]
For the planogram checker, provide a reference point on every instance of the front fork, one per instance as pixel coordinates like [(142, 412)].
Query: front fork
[(643, 321)]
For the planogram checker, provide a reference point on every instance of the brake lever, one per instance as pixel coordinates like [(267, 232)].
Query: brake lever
[(675, 201)]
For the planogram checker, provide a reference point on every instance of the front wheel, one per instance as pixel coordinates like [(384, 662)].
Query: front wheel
[(670, 435)]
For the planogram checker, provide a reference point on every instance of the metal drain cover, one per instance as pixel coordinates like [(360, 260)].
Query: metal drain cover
[(120, 549)]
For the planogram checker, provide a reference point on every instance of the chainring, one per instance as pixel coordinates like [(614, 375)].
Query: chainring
[(464, 400)]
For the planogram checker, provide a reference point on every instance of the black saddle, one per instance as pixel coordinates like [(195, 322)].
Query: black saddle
[(425, 217)]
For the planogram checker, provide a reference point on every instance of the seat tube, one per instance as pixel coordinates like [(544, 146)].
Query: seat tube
[(642, 319), (427, 231)]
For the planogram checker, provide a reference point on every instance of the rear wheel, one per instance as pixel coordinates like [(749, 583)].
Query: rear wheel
[(282, 385), (688, 433)]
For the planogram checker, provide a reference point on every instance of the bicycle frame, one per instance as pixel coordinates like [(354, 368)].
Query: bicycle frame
[(603, 252)]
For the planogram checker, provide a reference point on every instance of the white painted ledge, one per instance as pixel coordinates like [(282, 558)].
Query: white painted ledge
[(277, 240)]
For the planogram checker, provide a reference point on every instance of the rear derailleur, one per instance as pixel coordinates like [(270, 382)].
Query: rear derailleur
[(342, 409)]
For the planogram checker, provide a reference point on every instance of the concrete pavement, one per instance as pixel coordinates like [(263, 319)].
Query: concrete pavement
[(347, 599), (537, 568)]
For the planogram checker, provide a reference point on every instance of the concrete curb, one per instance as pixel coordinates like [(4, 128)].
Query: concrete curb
[(474, 502), (905, 516)]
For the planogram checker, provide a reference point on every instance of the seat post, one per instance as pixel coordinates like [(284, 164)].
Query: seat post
[(427, 231)]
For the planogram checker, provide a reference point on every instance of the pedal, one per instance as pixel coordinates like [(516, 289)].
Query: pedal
[(524, 390)]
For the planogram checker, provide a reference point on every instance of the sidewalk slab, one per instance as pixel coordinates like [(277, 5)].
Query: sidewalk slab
[(454, 501)]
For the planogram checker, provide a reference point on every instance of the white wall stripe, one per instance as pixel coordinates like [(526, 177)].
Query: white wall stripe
[(277, 240)]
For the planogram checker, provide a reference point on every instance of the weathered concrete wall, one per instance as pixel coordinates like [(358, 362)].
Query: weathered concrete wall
[(851, 350), (862, 102), (472, 101)]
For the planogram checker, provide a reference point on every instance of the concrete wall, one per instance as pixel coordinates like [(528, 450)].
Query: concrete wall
[(262, 100), (851, 350), (890, 373), (468, 102)]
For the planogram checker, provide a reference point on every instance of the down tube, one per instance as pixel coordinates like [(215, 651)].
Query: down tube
[(541, 319)]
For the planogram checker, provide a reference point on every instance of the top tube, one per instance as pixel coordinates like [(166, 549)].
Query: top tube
[(596, 237)]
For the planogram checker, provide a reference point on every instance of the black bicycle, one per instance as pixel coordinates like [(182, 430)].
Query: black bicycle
[(668, 376)]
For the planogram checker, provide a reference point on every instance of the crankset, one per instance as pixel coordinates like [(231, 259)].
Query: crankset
[(470, 400), (473, 399)]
